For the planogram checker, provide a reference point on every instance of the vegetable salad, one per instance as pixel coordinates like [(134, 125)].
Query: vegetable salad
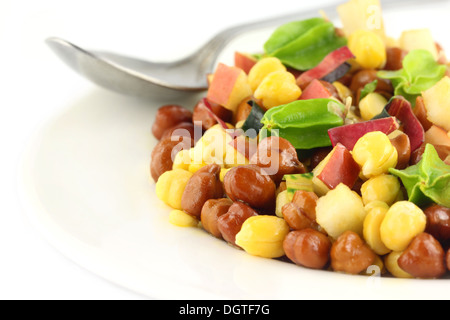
[(330, 149)]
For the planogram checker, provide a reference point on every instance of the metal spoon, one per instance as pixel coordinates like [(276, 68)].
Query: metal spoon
[(137, 77), (154, 80)]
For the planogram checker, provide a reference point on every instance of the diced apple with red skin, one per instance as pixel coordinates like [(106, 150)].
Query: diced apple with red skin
[(339, 168), (315, 90), (209, 78), (349, 134), (229, 87), (437, 136), (329, 64), (401, 108), (244, 61), (437, 103)]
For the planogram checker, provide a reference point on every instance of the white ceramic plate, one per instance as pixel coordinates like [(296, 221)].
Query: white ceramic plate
[(85, 182)]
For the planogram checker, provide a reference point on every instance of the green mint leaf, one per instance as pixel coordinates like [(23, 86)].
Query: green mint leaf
[(420, 72), (428, 181)]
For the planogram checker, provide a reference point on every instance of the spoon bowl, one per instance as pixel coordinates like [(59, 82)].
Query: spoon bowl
[(129, 75)]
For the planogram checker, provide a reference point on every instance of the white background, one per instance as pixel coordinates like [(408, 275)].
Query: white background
[(34, 85)]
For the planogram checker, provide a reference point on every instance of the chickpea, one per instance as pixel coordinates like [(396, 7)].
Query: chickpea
[(417, 155), (170, 187), (296, 218), (263, 236), (438, 222), (307, 202), (402, 223), (383, 188), (262, 69), (211, 211), (391, 263), (183, 129), (203, 185), (424, 258), (350, 254), (278, 157), (369, 49), (183, 160), (394, 58), (448, 259), (403, 145), (342, 91), (308, 248), (169, 116), (366, 76), (278, 88), (251, 185), (182, 219), (230, 223), (376, 212), (164, 154), (375, 154)]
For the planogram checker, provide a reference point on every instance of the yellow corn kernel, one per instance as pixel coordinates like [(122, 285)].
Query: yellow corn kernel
[(234, 158), (194, 167), (391, 263), (282, 199), (375, 154), (376, 269), (262, 68), (263, 236), (223, 172), (372, 105), (368, 48), (383, 188), (340, 210), (239, 124), (371, 228), (213, 148), (344, 92), (380, 264), (182, 219), (171, 185), (182, 160), (375, 204), (402, 223), (278, 88)]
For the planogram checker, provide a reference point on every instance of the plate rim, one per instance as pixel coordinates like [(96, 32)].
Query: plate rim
[(87, 258)]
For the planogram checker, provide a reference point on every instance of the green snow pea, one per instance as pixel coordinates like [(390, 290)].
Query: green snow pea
[(304, 123), (428, 181), (302, 45)]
